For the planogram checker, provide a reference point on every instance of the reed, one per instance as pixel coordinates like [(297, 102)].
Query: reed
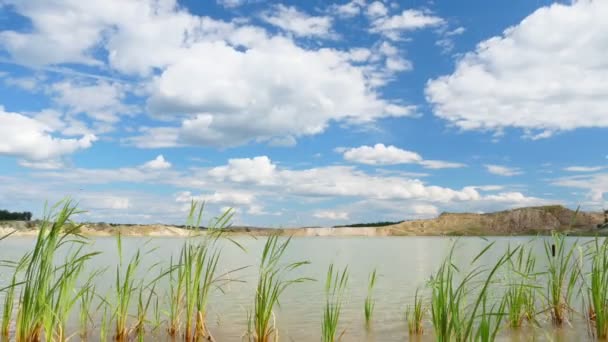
[(176, 288), (45, 296), (453, 319), (370, 303), (84, 314), (271, 284), (335, 287), (144, 299), (598, 289), (489, 320), (196, 274), (9, 299), (520, 296), (200, 271), (414, 315), (125, 286), (105, 321), (562, 276), (64, 296)]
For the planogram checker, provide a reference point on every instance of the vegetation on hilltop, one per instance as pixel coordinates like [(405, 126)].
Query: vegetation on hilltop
[(371, 224), (6, 215)]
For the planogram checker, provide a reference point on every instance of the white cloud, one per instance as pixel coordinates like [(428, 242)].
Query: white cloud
[(342, 181), (101, 101), (300, 24), (239, 100), (380, 154), (31, 140), (155, 137), (584, 168), (376, 9), (158, 163), (347, 10), (252, 184), (106, 202), (425, 210), (232, 198), (446, 42), (596, 186), (52, 164), (230, 3), (331, 215), (409, 20), (440, 164), (456, 32), (266, 88), (503, 170), (258, 170), (544, 75)]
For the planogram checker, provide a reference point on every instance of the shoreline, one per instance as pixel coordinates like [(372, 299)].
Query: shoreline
[(528, 221), (176, 232)]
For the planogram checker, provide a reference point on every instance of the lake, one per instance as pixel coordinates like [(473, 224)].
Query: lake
[(403, 265)]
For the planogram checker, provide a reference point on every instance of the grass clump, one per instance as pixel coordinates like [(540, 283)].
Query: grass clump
[(195, 275), (48, 290), (414, 315), (452, 318), (335, 287), (562, 276), (125, 287), (271, 284), (520, 295), (598, 289)]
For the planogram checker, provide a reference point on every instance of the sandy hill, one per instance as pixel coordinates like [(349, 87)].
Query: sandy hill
[(530, 220)]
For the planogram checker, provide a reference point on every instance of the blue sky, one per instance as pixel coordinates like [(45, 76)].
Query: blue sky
[(302, 112)]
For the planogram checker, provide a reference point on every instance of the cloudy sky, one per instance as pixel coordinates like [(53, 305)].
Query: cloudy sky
[(302, 112)]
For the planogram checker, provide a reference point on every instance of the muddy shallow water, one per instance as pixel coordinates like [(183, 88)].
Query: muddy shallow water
[(402, 263)]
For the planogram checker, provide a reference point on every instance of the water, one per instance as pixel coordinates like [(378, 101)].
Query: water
[(403, 264)]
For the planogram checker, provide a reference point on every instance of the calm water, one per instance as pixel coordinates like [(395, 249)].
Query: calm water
[(403, 264)]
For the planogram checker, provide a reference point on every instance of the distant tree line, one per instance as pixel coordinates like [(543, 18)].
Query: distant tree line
[(371, 224), (6, 215)]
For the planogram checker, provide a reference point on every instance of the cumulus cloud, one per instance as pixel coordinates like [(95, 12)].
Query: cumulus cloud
[(158, 163), (543, 75), (258, 170), (32, 140), (240, 101), (265, 89), (380, 154), (502, 170), (299, 23)]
